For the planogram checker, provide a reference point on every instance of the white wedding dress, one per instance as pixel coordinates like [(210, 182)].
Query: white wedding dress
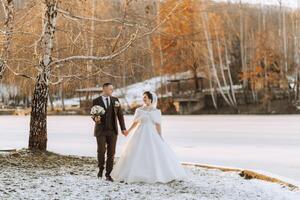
[(146, 156)]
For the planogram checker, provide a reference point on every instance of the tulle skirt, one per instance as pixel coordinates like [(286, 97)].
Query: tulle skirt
[(147, 158)]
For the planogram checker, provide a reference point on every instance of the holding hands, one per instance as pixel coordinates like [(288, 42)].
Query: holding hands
[(125, 132)]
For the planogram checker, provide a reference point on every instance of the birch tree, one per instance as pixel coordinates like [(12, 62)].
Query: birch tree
[(38, 120), (296, 23), (8, 33), (242, 41), (211, 56)]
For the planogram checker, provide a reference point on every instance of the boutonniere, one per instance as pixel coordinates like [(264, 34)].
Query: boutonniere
[(117, 104)]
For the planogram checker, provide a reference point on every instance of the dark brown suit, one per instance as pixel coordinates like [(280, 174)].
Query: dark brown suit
[(106, 132)]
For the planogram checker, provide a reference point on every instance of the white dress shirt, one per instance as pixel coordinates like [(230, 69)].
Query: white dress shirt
[(104, 100)]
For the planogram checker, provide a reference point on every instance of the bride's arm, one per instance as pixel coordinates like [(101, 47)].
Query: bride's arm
[(135, 121), (158, 128), (134, 124)]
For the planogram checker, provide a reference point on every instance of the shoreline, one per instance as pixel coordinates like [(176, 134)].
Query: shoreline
[(250, 174)]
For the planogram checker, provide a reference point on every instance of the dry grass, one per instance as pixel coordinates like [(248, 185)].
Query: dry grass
[(248, 174), (43, 160)]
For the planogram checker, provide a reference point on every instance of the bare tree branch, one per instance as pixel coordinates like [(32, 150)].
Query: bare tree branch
[(71, 16), (4, 9), (99, 58), (85, 77), (19, 74), (9, 8), (163, 21)]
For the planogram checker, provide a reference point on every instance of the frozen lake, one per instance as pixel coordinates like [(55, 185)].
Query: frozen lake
[(264, 143)]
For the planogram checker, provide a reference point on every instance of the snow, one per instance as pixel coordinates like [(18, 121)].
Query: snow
[(55, 177), (68, 102), (134, 93), (270, 144), (225, 88), (288, 3), (8, 90), (204, 184)]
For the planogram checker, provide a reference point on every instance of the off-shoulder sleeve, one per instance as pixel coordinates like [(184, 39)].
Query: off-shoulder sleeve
[(137, 115), (157, 116)]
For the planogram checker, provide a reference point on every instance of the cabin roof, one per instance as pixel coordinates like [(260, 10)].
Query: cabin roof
[(185, 76)]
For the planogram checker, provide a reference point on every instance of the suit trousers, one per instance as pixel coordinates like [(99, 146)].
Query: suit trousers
[(106, 143)]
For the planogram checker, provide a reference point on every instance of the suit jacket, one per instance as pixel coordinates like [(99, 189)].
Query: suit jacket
[(117, 116)]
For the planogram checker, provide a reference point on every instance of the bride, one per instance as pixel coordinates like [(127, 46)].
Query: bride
[(146, 156)]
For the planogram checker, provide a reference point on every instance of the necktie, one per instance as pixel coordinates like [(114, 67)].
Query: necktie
[(107, 103)]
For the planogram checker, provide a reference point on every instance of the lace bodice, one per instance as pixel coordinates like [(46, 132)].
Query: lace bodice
[(144, 115)]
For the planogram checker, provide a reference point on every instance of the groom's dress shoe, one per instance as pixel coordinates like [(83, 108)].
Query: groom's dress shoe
[(109, 178), (99, 175)]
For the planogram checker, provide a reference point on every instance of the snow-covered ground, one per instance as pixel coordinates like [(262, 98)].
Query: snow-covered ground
[(56, 177), (264, 143)]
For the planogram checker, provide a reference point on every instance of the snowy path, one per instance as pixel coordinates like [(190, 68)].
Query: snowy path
[(56, 177), (263, 143)]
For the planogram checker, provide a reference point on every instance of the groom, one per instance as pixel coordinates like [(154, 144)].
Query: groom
[(106, 129)]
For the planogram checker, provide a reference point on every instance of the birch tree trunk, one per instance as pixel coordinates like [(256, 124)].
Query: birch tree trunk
[(211, 57), (284, 42), (222, 70), (51, 101), (91, 44), (211, 88), (9, 19), (161, 56), (195, 77), (38, 120), (230, 77), (62, 96), (242, 43), (297, 56)]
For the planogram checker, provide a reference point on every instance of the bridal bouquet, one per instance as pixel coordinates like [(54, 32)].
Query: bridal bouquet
[(97, 111)]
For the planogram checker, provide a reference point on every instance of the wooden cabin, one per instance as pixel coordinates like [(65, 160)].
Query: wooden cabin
[(86, 96), (186, 92)]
